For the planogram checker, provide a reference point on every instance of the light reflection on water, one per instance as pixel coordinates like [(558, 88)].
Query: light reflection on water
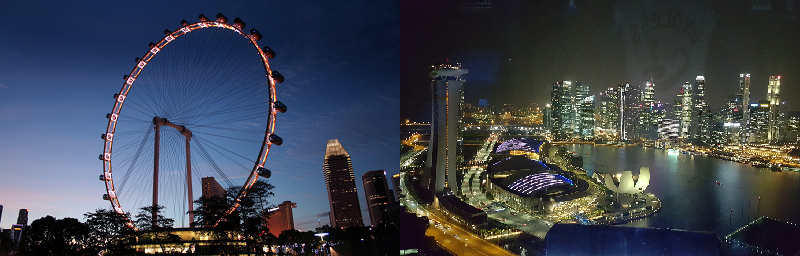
[(690, 197)]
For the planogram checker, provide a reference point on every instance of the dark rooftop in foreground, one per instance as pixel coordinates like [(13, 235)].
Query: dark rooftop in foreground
[(767, 235)]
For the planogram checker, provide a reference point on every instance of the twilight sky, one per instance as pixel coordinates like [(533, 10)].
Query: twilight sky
[(60, 64), (516, 49)]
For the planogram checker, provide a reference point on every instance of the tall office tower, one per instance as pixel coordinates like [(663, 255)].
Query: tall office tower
[(376, 189), (341, 184), (581, 93), (744, 101), (648, 124), (22, 219), (547, 119), (561, 102), (586, 113), (281, 218), (701, 114), (1, 215), (396, 186), (773, 96), (392, 198), (632, 107), (686, 109), (759, 127), (610, 113), (443, 142), (212, 188)]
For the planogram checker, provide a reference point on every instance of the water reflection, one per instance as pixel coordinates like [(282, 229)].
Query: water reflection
[(690, 196)]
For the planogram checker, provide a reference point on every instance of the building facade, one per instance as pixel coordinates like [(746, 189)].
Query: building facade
[(774, 98), (376, 190), (281, 218), (341, 185)]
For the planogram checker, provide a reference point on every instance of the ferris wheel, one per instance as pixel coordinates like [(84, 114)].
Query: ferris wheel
[(205, 89)]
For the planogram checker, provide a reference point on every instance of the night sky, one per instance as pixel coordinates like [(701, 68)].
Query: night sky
[(515, 50), (61, 62)]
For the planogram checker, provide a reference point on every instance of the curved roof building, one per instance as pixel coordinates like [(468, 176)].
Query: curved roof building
[(530, 178)]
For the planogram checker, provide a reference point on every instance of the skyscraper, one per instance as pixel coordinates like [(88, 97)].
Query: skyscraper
[(686, 109), (341, 184), (281, 218), (743, 99), (610, 113), (396, 186), (774, 98), (1, 215), (443, 142), (376, 189), (212, 188), (22, 219), (563, 111)]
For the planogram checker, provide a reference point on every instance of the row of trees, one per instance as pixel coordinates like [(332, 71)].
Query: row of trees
[(105, 231)]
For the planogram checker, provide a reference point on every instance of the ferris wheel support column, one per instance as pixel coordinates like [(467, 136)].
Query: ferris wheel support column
[(189, 180), (155, 173)]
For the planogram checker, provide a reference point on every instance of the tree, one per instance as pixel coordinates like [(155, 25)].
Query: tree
[(247, 223), (48, 236), (109, 232), (158, 234)]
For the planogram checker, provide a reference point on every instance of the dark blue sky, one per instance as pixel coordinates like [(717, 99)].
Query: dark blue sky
[(61, 62)]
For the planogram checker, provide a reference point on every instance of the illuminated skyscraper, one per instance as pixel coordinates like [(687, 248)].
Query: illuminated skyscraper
[(281, 218), (610, 113), (443, 142), (686, 109), (563, 111), (341, 184), (773, 96), (376, 189)]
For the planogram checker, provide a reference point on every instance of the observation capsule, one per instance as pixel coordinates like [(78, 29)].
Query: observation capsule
[(280, 106), (106, 197), (166, 32), (272, 138), (202, 17), (239, 23), (264, 172), (221, 18), (125, 77), (151, 44), (137, 60), (277, 76), (184, 23), (269, 52), (102, 177), (255, 34)]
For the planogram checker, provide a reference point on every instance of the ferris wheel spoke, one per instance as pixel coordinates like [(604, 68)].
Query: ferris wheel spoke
[(225, 155), (231, 129), (231, 138), (214, 167)]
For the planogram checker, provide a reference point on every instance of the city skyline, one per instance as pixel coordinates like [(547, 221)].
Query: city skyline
[(592, 43), (54, 94)]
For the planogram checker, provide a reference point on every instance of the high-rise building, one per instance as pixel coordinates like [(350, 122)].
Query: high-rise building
[(1, 215), (584, 112), (281, 218), (758, 130), (212, 188), (341, 184), (441, 165), (773, 96), (631, 96), (563, 111), (648, 124), (376, 189), (396, 186), (22, 219), (701, 114), (610, 113), (686, 110)]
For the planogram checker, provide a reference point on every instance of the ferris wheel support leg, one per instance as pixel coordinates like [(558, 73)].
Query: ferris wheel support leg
[(155, 175), (189, 181)]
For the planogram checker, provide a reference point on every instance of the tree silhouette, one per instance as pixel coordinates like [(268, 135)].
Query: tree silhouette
[(108, 233), (48, 236)]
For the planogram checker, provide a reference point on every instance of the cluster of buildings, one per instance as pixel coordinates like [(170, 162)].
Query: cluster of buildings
[(342, 193), (16, 230), (629, 112)]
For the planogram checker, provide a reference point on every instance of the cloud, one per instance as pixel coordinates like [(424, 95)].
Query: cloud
[(324, 214), (2, 86)]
